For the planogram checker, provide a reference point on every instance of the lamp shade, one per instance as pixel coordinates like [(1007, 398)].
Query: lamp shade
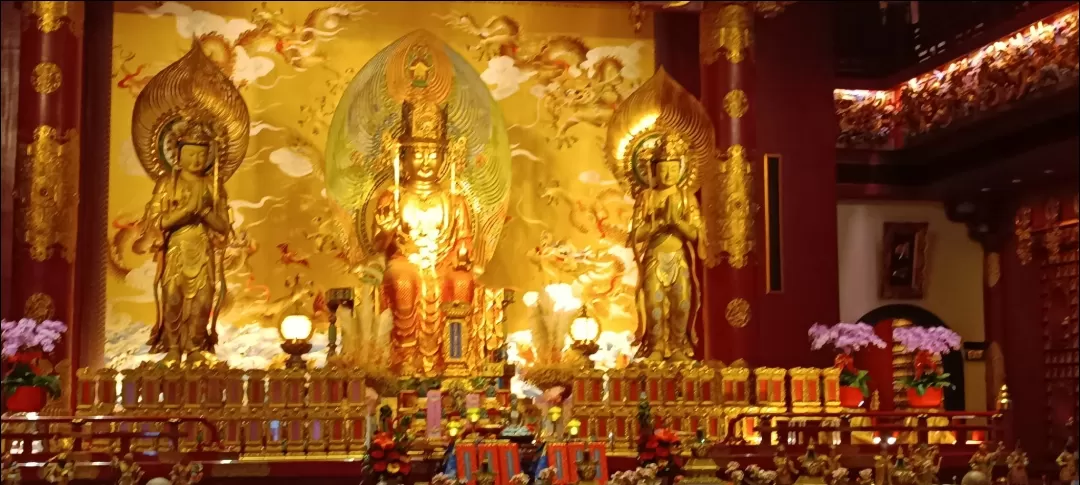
[(296, 327), (584, 329)]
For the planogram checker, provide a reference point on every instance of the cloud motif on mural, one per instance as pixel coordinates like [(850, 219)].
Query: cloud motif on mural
[(592, 177), (628, 55), (141, 279), (236, 205), (258, 126), (505, 76), (191, 22), (291, 162), (129, 160), (248, 69), (196, 23)]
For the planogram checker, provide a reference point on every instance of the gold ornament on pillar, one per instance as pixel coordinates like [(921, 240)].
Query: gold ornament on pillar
[(52, 197), (736, 237), (658, 142), (737, 313), (49, 14), (736, 104), (46, 78), (40, 307), (728, 26), (190, 129)]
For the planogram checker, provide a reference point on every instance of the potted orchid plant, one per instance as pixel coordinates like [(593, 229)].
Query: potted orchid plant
[(25, 342), (847, 338), (926, 388)]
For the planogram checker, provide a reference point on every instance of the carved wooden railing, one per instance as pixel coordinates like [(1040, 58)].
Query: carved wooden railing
[(769, 429), (31, 438)]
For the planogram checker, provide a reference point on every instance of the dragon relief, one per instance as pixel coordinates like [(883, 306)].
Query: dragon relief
[(603, 274), (574, 87)]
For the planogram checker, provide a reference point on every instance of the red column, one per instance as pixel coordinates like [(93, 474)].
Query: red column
[(47, 174), (731, 289)]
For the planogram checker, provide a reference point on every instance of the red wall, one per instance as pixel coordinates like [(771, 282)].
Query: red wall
[(796, 120)]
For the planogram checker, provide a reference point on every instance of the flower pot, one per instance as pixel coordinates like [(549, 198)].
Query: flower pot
[(930, 399), (851, 397), (26, 399)]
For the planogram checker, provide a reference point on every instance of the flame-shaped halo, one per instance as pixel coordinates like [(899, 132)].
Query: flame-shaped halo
[(660, 106), (192, 90)]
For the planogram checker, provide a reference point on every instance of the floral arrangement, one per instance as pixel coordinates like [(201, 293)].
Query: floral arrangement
[(444, 479), (847, 338), (25, 342), (548, 476), (661, 449), (753, 475), (927, 343), (388, 458), (935, 340), (644, 475)]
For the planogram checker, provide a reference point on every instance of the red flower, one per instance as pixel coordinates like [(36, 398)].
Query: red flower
[(646, 456), (393, 455), (664, 434), (406, 467), (384, 441), (663, 452), (376, 453), (652, 443), (379, 466)]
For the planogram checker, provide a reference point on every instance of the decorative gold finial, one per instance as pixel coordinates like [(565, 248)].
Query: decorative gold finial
[(1004, 402)]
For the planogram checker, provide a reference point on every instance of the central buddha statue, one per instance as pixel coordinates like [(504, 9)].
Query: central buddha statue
[(423, 227), (418, 154)]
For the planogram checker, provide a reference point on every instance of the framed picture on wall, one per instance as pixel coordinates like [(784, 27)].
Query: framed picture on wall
[(903, 272)]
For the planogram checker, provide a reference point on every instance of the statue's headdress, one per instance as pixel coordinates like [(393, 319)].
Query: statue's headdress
[(669, 147), (422, 123), (191, 101)]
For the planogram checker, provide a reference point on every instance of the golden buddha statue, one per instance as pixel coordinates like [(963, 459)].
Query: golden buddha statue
[(658, 140), (425, 171), (190, 130), (424, 230)]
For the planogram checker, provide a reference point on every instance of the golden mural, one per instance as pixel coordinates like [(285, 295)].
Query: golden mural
[(557, 73)]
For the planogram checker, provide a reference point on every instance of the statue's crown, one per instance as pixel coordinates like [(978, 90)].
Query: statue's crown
[(423, 123), (668, 147), (193, 133)]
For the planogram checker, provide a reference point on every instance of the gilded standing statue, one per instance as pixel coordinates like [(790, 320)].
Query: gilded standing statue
[(190, 131), (658, 141)]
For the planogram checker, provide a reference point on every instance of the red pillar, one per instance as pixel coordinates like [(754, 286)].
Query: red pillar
[(47, 174), (731, 289)]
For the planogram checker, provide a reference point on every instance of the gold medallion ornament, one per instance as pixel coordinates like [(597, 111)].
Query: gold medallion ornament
[(737, 313), (39, 307), (52, 193), (49, 14), (736, 103), (736, 237), (46, 78), (993, 269)]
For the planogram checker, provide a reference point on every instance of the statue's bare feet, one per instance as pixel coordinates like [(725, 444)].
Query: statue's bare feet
[(202, 357), (172, 359), (679, 356)]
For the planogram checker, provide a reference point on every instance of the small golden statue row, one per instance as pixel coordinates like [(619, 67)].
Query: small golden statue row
[(658, 141), (130, 473), (1066, 461), (190, 129), (59, 469), (985, 460), (10, 474)]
